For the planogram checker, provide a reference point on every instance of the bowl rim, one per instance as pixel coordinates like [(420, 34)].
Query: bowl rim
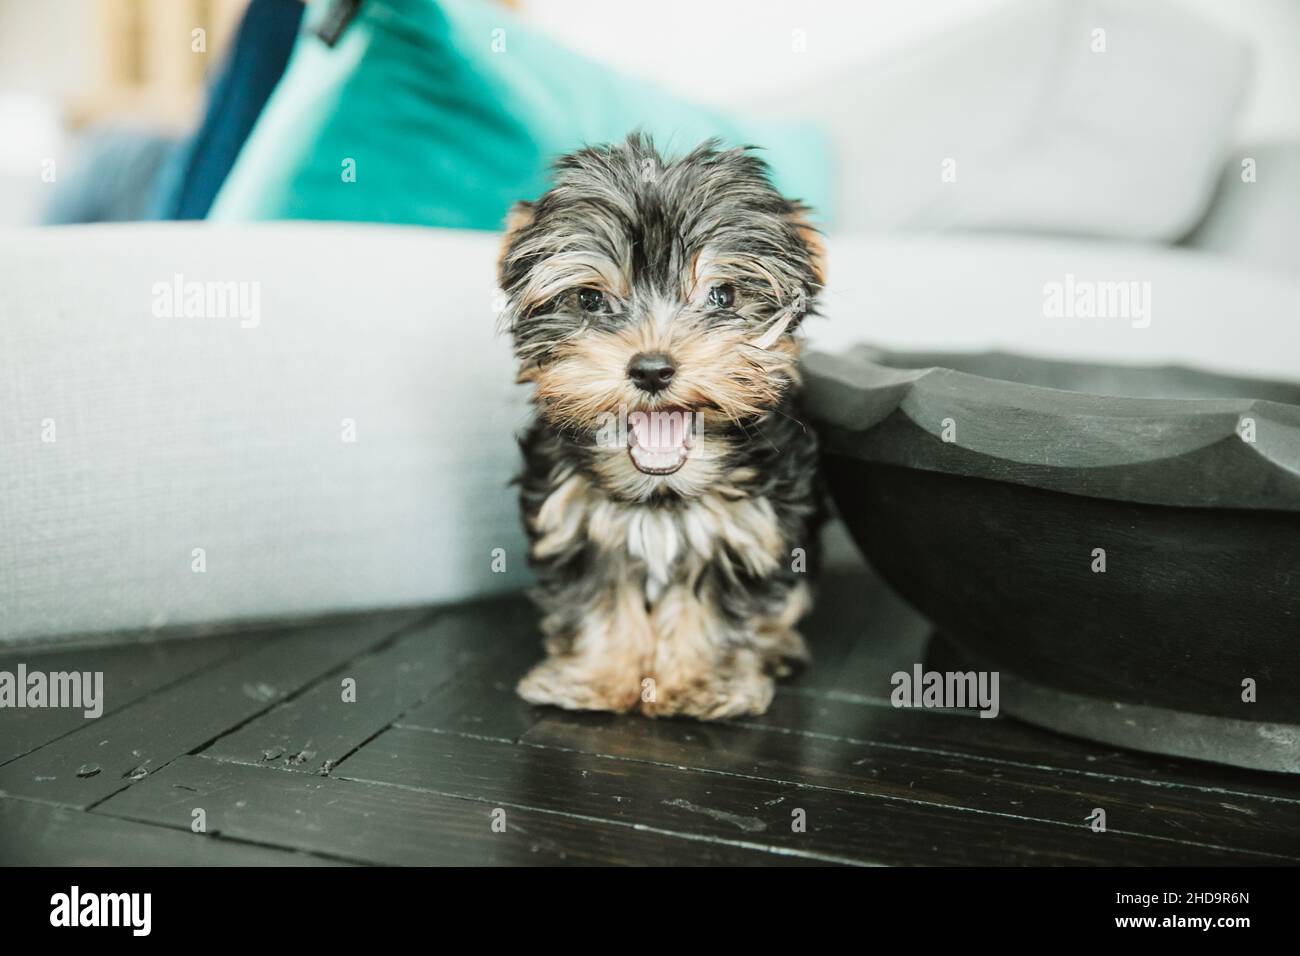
[(1184, 452)]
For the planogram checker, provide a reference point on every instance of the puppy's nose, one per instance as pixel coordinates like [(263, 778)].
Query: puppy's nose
[(651, 371)]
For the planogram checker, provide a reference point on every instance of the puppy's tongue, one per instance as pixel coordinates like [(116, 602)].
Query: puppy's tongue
[(659, 442)]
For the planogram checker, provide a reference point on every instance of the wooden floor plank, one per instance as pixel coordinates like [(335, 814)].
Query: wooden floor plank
[(437, 741), (1260, 826), (131, 670), (37, 834), (862, 634), (1006, 740), (384, 824), (868, 829), (859, 633), (316, 729), (108, 754), (481, 702)]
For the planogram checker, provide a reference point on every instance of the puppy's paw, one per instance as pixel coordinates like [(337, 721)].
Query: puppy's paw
[(750, 695), (714, 699), (569, 682), (786, 653)]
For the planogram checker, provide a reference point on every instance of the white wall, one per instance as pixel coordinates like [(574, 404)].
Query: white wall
[(715, 50), (47, 47), (1273, 28), (728, 51)]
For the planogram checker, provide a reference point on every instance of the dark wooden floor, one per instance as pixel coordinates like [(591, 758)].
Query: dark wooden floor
[(251, 729)]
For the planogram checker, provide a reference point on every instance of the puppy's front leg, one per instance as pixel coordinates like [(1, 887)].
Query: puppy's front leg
[(599, 654), (704, 665)]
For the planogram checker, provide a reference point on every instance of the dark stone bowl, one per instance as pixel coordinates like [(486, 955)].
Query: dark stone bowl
[(986, 488)]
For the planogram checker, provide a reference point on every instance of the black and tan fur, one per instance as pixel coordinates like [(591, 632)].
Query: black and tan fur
[(669, 593)]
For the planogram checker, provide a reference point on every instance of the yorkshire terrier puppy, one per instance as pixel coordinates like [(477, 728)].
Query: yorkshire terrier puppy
[(670, 490)]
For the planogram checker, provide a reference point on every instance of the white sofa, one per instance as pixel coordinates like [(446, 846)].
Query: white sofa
[(172, 434)]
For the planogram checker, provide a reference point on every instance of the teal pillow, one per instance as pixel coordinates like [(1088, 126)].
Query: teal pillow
[(414, 117)]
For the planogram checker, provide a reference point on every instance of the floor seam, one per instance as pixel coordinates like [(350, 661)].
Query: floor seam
[(644, 828), (1002, 761), (873, 796)]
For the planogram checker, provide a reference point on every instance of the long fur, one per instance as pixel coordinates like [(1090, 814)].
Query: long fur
[(668, 593)]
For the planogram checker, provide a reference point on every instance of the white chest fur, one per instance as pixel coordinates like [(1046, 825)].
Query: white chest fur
[(667, 542)]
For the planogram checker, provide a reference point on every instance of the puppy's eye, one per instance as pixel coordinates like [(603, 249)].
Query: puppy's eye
[(721, 297), (591, 300)]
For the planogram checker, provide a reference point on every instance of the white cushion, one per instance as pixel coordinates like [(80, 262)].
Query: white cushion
[(1045, 134), (974, 293), (1255, 215), (174, 434)]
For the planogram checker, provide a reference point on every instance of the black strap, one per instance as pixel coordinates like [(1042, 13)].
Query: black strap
[(336, 20)]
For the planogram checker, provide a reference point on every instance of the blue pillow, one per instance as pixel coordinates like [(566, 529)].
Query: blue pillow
[(257, 59), (446, 113)]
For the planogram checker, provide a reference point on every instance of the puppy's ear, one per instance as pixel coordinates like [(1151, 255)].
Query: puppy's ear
[(811, 238), (518, 219)]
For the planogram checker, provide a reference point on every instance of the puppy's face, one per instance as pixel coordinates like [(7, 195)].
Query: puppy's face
[(655, 304)]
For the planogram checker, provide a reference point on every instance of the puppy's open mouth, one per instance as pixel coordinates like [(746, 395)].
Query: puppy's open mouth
[(659, 442)]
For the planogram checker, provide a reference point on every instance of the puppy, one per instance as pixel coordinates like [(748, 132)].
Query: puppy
[(670, 491)]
